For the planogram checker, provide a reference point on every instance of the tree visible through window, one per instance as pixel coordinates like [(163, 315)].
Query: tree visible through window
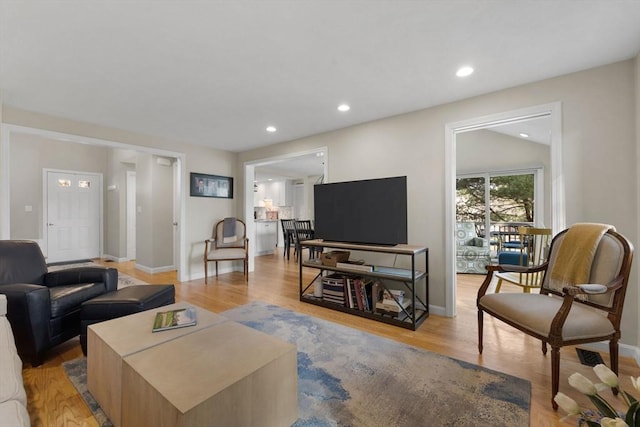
[(511, 198)]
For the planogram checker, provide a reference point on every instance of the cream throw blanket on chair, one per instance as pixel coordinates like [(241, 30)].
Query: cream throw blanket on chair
[(575, 255)]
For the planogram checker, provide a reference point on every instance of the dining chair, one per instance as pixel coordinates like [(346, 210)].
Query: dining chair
[(508, 237), (228, 242), (303, 231), (288, 235), (581, 297), (533, 250)]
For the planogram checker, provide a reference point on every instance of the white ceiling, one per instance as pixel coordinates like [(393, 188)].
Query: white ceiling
[(295, 168), (217, 73)]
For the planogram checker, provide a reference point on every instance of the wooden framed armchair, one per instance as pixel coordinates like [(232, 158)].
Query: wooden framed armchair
[(581, 297), (228, 242)]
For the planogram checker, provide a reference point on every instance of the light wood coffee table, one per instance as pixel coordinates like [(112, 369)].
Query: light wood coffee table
[(111, 341), (225, 375), (217, 373)]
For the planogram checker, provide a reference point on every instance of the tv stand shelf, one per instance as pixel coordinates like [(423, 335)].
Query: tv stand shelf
[(413, 282)]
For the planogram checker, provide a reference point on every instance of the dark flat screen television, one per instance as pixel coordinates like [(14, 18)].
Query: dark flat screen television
[(372, 211)]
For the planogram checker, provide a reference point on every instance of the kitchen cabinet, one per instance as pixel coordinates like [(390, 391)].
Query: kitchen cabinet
[(266, 237), (258, 194), (280, 192), (287, 198)]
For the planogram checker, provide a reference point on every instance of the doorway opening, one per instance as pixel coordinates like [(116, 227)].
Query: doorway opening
[(298, 172), (9, 217), (454, 135)]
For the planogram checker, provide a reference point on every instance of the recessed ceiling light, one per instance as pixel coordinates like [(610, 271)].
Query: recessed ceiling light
[(343, 107), (464, 72), (271, 129), (524, 135)]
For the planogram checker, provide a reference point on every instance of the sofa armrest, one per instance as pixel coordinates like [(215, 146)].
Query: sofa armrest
[(78, 275), (29, 312)]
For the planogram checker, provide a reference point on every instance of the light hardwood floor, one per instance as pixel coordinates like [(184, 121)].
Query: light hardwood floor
[(53, 401)]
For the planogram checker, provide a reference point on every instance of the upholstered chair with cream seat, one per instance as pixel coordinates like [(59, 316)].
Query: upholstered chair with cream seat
[(228, 242), (581, 296)]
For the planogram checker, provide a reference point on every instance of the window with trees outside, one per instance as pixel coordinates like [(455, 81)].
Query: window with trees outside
[(496, 198)]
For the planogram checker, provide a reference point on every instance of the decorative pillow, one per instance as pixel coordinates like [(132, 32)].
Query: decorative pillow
[(480, 242)]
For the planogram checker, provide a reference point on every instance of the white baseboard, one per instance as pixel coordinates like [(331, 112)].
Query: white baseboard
[(154, 270), (114, 259), (437, 310)]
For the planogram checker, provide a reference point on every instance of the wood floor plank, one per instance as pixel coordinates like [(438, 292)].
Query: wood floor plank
[(54, 402)]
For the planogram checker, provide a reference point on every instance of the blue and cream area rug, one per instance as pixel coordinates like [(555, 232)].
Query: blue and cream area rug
[(347, 377)]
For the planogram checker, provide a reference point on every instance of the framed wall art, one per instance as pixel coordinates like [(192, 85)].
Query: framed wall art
[(203, 185)]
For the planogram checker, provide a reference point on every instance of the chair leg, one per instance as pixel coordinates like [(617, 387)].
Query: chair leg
[(245, 264), (555, 374), (613, 359), (498, 285), (480, 324), (206, 273), (216, 268)]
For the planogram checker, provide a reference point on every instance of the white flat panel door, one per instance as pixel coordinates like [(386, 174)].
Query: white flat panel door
[(73, 216)]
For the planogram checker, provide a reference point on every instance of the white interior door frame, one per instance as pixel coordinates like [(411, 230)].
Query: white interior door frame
[(5, 146), (558, 212), (131, 215)]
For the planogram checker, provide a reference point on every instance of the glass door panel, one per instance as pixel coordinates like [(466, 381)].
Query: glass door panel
[(471, 202)]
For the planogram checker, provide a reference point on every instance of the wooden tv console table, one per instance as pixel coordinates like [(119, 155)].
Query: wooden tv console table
[(413, 282)]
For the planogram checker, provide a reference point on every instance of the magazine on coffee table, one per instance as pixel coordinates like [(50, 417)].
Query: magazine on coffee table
[(173, 319)]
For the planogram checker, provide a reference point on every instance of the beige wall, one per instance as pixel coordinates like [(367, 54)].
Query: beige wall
[(28, 156), (599, 154), (120, 161), (199, 213), (154, 213)]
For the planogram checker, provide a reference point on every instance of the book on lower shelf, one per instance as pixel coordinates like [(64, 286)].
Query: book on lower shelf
[(172, 319), (354, 266), (392, 303), (394, 271)]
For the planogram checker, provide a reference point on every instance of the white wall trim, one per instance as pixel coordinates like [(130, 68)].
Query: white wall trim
[(5, 144), (114, 259), (554, 110), (438, 310), (154, 270)]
